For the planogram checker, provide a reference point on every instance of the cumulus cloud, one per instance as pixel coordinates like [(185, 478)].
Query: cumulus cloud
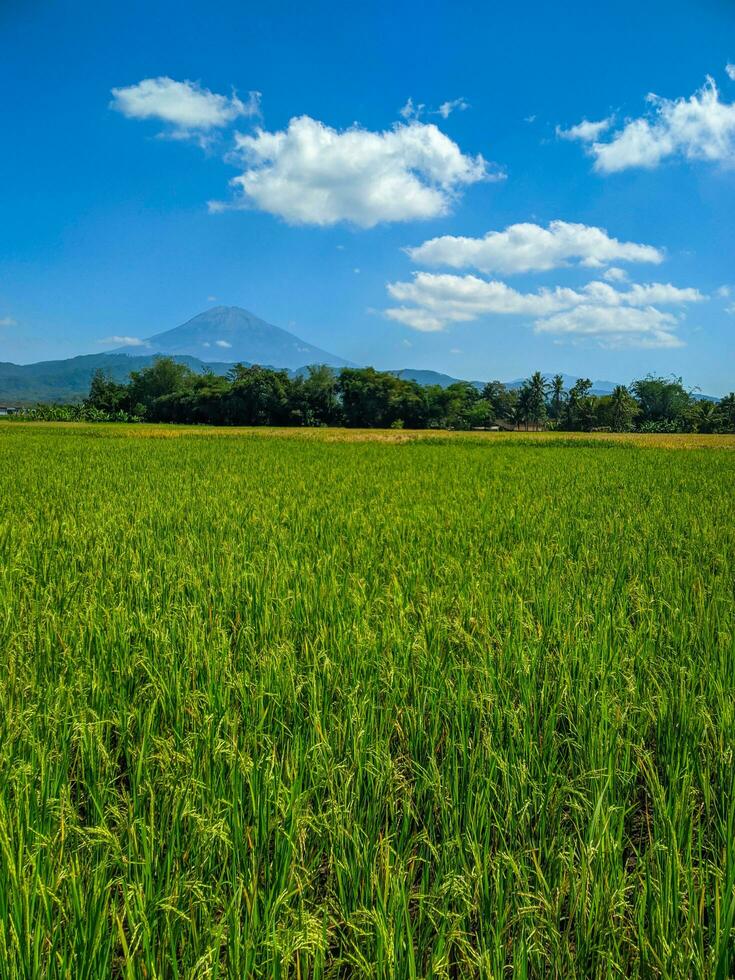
[(530, 248), (431, 302), (611, 327), (8, 321), (615, 274), (123, 341), (723, 292), (310, 173), (448, 298), (641, 295), (222, 343), (700, 127), (585, 131), (186, 106), (730, 69)]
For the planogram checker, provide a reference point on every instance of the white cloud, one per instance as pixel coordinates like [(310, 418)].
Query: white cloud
[(411, 110), (614, 327), (529, 247), (455, 350), (443, 299), (698, 128), (615, 274), (730, 69), (8, 321), (414, 110), (123, 341), (418, 319), (730, 308), (310, 173), (641, 295), (454, 105), (186, 106), (586, 131), (431, 302), (723, 292), (222, 343)]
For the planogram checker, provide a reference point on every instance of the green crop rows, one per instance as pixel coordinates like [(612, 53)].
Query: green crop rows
[(286, 707)]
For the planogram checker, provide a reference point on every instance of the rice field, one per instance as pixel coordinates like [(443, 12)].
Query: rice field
[(365, 705)]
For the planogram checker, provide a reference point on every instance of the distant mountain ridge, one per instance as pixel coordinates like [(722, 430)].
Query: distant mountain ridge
[(437, 378), (598, 387), (234, 333), (68, 380), (222, 332)]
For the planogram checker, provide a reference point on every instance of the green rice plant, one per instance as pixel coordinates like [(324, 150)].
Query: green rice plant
[(396, 707)]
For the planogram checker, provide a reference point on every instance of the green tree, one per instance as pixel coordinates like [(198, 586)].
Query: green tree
[(320, 396), (579, 410), (702, 416), (726, 413), (662, 402), (107, 395), (164, 377), (258, 396), (623, 409), (531, 406), (376, 399), (538, 386), (501, 401), (463, 406), (556, 400)]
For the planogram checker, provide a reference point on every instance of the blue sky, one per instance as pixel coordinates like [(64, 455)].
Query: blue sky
[(534, 242)]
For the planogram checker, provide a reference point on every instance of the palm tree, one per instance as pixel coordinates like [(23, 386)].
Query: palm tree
[(521, 409), (623, 408), (537, 387), (705, 416), (531, 405), (726, 413), (557, 396)]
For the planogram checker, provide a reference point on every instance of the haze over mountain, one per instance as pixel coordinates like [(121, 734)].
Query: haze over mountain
[(211, 341), (233, 334), (68, 380)]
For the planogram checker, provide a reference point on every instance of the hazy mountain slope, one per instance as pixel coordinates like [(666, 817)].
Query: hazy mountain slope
[(425, 377), (68, 380), (237, 335), (598, 387)]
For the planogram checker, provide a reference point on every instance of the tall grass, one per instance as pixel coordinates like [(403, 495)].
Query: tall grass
[(298, 708)]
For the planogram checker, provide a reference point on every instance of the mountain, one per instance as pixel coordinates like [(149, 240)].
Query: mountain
[(431, 377), (598, 387), (68, 380), (225, 331), (435, 378), (444, 380), (228, 331)]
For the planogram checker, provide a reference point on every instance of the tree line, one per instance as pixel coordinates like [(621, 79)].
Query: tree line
[(363, 397)]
